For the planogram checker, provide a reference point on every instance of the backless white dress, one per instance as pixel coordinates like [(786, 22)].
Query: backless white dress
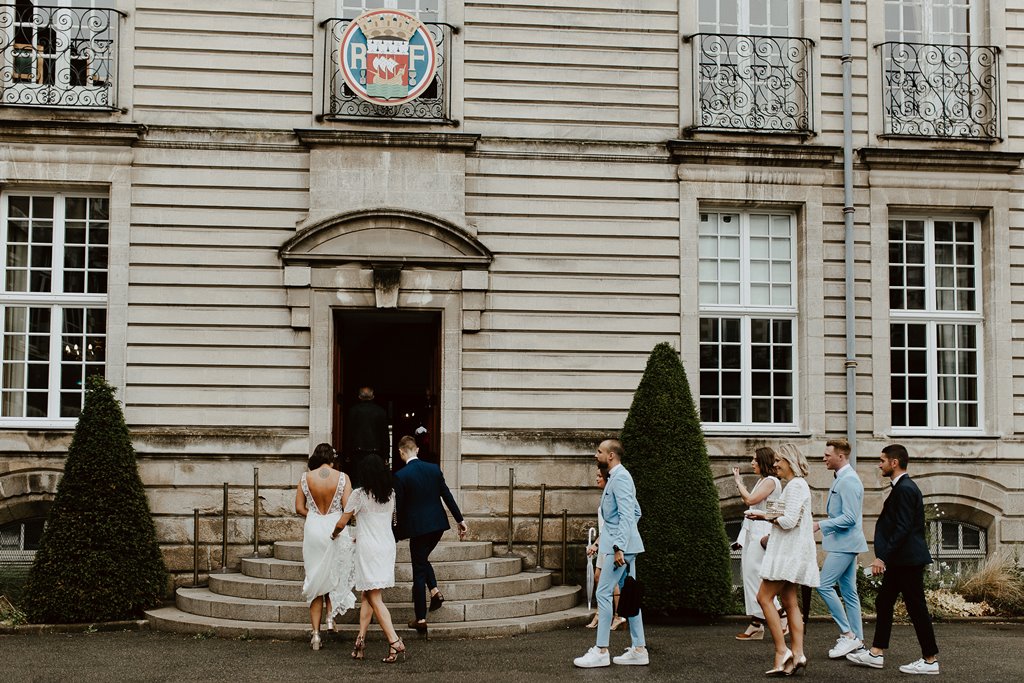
[(329, 564)]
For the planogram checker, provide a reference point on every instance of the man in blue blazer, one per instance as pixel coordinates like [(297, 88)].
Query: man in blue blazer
[(618, 546), (842, 537), (901, 557), (419, 490)]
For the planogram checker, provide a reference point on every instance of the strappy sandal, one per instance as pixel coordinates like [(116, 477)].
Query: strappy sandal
[(394, 649), (357, 649)]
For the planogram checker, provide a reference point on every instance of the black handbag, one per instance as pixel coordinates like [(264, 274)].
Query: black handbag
[(631, 595)]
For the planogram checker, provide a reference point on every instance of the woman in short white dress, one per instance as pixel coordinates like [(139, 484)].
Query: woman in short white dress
[(790, 560), (329, 563), (373, 505), (766, 489)]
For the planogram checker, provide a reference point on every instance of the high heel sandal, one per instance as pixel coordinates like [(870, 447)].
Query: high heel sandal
[(781, 670), (314, 641), (593, 622), (330, 625), (618, 622), (753, 632), (800, 665), (357, 649), (398, 648)]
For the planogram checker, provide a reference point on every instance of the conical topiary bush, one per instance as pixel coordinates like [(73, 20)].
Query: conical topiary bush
[(685, 568), (98, 559)]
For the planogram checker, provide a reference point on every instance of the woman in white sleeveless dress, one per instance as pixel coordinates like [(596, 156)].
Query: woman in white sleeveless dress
[(790, 560), (768, 488), (329, 563), (373, 505)]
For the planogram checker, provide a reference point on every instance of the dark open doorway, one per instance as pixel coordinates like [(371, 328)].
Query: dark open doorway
[(398, 353)]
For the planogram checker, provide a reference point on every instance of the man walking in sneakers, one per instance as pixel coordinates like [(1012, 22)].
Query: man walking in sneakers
[(901, 556), (842, 538), (618, 546)]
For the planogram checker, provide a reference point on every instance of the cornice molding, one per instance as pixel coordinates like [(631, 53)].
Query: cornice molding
[(752, 153), (321, 137), (979, 161), (71, 132)]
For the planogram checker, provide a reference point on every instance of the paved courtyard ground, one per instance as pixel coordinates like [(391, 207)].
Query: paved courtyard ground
[(970, 652)]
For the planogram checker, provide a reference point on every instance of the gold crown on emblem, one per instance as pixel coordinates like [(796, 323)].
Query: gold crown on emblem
[(390, 24)]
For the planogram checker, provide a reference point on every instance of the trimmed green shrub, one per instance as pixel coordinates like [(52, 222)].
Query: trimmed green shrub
[(98, 559), (685, 568)]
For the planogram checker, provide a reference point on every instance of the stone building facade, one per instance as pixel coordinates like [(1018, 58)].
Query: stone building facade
[(196, 202)]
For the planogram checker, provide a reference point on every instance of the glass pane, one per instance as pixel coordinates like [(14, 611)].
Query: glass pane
[(731, 330), (782, 358), (708, 357), (709, 384), (760, 295), (731, 359), (708, 329), (898, 387), (729, 294), (783, 410), (760, 271), (781, 295), (950, 536), (708, 293), (760, 357), (709, 410), (971, 538), (708, 270), (730, 383), (782, 331), (760, 331), (917, 415), (730, 271), (761, 410), (781, 249), (760, 248), (759, 224), (782, 384), (729, 247)]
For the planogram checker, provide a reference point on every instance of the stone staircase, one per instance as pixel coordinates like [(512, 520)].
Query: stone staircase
[(485, 596)]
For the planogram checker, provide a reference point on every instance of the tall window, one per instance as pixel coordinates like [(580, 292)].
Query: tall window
[(947, 22), (424, 10), (935, 323), (748, 319), (53, 301), (761, 18), (957, 547)]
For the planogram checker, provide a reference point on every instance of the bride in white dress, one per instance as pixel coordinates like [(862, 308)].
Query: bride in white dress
[(329, 562)]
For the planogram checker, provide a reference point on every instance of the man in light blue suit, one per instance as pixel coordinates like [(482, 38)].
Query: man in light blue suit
[(842, 538), (618, 546)]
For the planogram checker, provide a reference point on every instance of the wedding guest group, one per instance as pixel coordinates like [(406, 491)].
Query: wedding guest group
[(419, 490), (790, 560), (901, 557), (618, 548), (768, 488), (329, 561), (842, 539)]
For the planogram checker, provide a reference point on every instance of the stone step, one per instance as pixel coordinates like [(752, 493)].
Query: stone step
[(175, 620), (273, 568), (203, 602), (243, 586), (446, 551)]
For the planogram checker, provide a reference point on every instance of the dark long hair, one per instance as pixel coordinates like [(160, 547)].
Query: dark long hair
[(375, 478), (765, 456), (323, 454)]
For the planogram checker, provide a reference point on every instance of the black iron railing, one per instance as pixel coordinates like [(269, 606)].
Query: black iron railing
[(752, 83), (58, 56), (941, 91), (341, 103)]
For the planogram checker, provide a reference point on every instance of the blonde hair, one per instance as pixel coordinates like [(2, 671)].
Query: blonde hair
[(797, 461)]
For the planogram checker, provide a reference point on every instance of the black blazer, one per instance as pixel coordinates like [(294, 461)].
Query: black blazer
[(899, 531), (419, 490), (366, 429)]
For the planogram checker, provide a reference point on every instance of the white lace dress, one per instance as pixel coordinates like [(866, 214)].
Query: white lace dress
[(791, 554), (329, 564), (375, 542), (753, 553)]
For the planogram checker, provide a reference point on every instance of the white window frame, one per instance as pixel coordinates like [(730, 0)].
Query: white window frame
[(424, 10), (743, 18), (932, 317), (746, 312), (55, 299)]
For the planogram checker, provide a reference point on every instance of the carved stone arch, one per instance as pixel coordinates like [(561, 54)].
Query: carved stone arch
[(27, 494), (387, 236)]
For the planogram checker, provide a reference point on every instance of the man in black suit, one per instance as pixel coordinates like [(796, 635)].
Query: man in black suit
[(419, 490), (366, 432), (901, 557)]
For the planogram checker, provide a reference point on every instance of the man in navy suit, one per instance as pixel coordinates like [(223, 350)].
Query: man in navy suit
[(842, 538), (617, 548), (419, 490), (901, 557)]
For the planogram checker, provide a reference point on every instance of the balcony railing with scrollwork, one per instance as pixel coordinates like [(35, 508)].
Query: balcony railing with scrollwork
[(941, 91), (752, 83), (64, 57), (341, 103)]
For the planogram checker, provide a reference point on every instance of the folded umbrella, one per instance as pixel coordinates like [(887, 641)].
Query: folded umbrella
[(590, 566)]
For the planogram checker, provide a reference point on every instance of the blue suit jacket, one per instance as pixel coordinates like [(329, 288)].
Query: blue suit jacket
[(843, 531), (899, 531), (419, 489), (621, 514)]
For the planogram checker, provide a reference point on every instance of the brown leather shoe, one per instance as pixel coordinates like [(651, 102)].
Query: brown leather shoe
[(436, 600), (420, 626)]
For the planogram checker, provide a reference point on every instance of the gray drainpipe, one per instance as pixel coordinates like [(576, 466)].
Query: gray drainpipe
[(848, 210)]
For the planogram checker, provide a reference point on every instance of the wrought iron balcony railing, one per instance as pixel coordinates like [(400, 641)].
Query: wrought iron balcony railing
[(63, 57), (752, 83), (941, 91), (341, 103)]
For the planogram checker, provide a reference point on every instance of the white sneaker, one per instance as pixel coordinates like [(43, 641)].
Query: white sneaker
[(921, 667), (593, 659), (634, 656), (844, 646), (865, 658)]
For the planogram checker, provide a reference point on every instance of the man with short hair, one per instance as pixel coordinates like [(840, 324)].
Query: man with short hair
[(901, 556), (419, 490), (618, 546), (842, 538)]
